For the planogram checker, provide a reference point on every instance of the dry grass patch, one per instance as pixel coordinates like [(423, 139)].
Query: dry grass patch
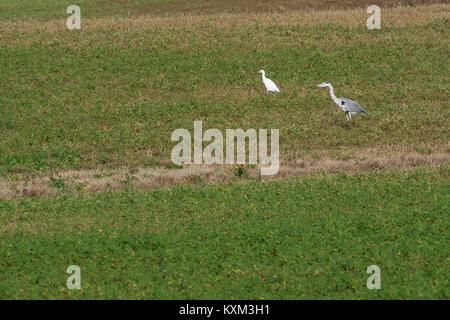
[(400, 16), (147, 178), (207, 30)]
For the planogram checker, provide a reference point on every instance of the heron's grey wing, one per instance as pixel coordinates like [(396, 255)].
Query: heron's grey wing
[(351, 106)]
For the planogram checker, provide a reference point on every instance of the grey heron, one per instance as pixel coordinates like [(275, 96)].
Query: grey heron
[(348, 106), (270, 85)]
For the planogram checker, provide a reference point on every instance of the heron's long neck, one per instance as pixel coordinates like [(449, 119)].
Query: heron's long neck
[(263, 75), (335, 99)]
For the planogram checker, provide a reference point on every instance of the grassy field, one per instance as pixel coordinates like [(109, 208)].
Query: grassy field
[(86, 177), (111, 95), (302, 238)]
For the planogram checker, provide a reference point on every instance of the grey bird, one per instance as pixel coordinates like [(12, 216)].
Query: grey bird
[(348, 106)]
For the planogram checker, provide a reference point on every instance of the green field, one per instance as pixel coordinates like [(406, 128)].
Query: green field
[(110, 98), (302, 238), (80, 107)]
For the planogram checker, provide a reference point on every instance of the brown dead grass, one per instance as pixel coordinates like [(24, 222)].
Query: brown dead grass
[(180, 31), (147, 178), (350, 17)]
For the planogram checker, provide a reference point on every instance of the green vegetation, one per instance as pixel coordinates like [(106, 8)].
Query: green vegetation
[(112, 98), (307, 238), (110, 95)]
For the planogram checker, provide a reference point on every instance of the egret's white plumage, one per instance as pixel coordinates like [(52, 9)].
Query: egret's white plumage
[(348, 106), (270, 85)]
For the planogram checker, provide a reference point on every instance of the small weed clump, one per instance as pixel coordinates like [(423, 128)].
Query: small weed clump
[(240, 171), (57, 183)]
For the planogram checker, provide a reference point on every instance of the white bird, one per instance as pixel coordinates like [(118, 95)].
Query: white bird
[(270, 85), (348, 106)]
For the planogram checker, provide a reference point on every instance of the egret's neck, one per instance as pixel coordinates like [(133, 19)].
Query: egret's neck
[(332, 95), (263, 74)]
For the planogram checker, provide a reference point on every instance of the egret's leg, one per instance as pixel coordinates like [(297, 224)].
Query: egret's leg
[(350, 116)]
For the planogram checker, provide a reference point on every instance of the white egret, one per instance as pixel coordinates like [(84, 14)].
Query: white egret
[(270, 85), (348, 106)]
